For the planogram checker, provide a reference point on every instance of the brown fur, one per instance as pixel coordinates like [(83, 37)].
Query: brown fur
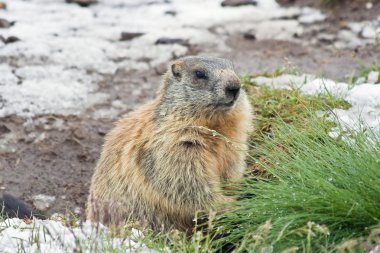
[(160, 165)]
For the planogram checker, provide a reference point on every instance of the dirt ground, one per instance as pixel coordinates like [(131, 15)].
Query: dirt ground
[(59, 161)]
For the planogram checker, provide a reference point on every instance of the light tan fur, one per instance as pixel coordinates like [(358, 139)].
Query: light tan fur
[(163, 163)]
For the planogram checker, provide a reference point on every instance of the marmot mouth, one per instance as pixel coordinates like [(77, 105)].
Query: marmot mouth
[(226, 105)]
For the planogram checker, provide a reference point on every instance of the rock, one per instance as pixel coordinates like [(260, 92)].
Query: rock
[(3, 6), (171, 13), (235, 3), (40, 138), (82, 3), (11, 39), (368, 32), (118, 104), (355, 27), (326, 37), (249, 35), (43, 202), (4, 130), (6, 148), (347, 38), (373, 77), (78, 210), (5, 23), (79, 133), (169, 41), (129, 36)]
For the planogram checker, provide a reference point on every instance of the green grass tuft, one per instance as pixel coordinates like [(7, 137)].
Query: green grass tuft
[(322, 192), (291, 106)]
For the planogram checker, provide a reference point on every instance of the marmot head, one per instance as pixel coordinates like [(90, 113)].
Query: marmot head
[(202, 84)]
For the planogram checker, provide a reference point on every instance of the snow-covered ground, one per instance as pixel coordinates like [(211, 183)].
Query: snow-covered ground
[(64, 49), (34, 236)]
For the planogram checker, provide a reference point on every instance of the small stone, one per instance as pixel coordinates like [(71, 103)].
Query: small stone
[(118, 104), (129, 36), (355, 27), (7, 148), (79, 134), (373, 77), (5, 23), (43, 202), (11, 39), (102, 131), (368, 32), (348, 39), (82, 3), (326, 37), (40, 138), (249, 35), (171, 13), (4, 130), (236, 3), (169, 41), (78, 210)]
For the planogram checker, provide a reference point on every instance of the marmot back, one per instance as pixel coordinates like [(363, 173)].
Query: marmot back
[(162, 163)]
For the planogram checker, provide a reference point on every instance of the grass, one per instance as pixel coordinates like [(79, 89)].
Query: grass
[(291, 106), (321, 193)]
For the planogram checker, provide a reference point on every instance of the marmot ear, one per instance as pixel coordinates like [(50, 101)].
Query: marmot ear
[(176, 69)]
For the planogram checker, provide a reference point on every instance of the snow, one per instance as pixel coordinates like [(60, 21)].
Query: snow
[(364, 98), (65, 49), (52, 236), (365, 110), (373, 76)]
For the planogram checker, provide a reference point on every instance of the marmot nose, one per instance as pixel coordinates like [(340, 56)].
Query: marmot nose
[(232, 90)]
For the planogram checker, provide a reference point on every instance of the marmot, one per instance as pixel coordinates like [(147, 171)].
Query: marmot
[(163, 163)]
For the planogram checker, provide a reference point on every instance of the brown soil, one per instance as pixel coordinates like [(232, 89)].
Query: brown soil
[(340, 10)]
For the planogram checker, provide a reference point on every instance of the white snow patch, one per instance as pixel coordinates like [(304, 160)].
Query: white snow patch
[(365, 110), (32, 90), (47, 236), (284, 81), (373, 77), (364, 98), (309, 16), (320, 85)]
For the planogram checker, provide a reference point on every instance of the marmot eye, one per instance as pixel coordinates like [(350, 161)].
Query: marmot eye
[(200, 74)]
